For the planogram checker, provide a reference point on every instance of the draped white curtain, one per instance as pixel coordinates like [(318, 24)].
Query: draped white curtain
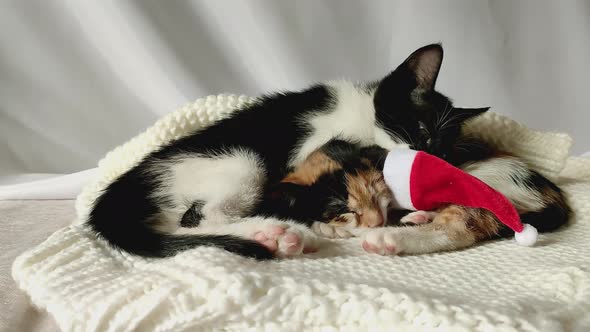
[(80, 77)]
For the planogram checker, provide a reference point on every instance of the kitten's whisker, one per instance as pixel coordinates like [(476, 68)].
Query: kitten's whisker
[(447, 117), (395, 134), (449, 121), (444, 121), (407, 134), (445, 113), (440, 117)]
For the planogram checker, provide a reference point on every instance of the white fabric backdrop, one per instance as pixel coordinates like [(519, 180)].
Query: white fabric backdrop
[(80, 77)]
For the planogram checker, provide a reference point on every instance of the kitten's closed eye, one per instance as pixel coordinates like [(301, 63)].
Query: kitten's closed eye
[(422, 127), (368, 197), (425, 135)]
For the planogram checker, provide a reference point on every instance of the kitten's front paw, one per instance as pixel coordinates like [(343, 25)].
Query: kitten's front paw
[(285, 240), (330, 231), (382, 241), (418, 217)]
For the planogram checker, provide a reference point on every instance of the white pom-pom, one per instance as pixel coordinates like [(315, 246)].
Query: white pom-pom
[(527, 237)]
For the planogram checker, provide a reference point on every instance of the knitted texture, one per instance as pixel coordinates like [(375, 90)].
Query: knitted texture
[(88, 286), (545, 152), (177, 124)]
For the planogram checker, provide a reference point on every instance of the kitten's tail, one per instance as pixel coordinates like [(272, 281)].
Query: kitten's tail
[(148, 243), (555, 211), (539, 201), (127, 218)]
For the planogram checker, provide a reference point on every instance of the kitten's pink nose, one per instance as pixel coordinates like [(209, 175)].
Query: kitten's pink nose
[(372, 219)]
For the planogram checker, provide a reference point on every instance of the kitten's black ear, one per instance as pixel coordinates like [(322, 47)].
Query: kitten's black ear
[(425, 64), (468, 113), (418, 71)]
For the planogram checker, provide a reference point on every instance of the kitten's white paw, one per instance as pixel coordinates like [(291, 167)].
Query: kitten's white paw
[(286, 240), (418, 217), (331, 231), (382, 241)]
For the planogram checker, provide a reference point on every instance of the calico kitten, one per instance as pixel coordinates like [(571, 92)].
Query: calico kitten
[(349, 187), (339, 184)]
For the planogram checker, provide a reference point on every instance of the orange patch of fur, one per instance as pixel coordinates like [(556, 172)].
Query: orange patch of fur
[(479, 224), (314, 166)]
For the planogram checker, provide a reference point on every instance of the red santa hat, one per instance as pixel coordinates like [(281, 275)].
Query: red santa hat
[(420, 181)]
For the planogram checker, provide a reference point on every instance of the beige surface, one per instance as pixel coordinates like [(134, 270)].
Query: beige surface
[(24, 224), (88, 286), (496, 286)]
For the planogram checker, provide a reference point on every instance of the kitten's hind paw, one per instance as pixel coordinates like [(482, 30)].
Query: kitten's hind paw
[(285, 240), (382, 241), (418, 217)]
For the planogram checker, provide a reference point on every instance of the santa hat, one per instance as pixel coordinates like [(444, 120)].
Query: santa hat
[(421, 181)]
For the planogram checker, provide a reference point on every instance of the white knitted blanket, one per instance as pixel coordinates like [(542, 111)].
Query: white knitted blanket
[(498, 285)]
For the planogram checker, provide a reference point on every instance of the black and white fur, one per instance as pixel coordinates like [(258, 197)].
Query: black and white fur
[(226, 167)]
